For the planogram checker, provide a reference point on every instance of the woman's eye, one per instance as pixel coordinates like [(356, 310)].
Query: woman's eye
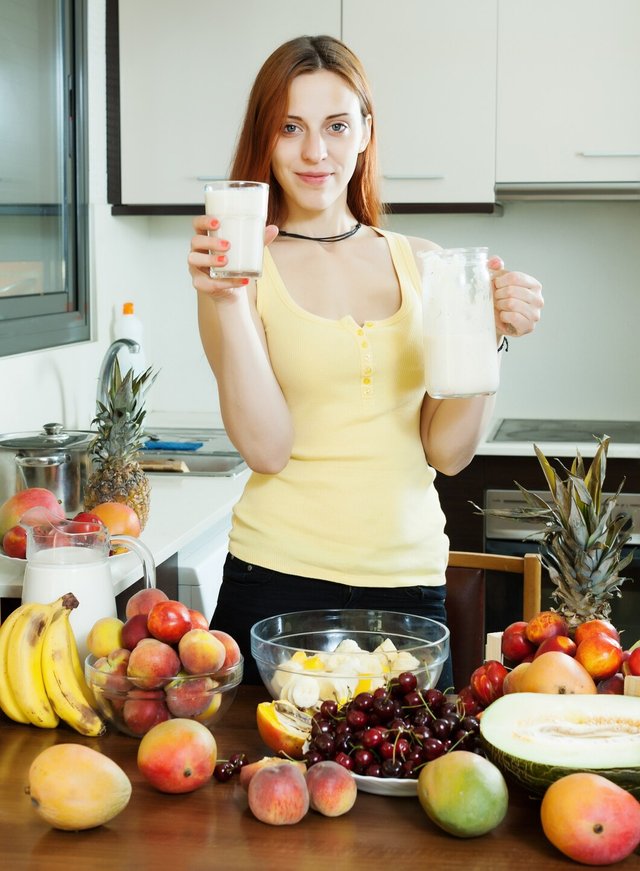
[(338, 127), (289, 128)]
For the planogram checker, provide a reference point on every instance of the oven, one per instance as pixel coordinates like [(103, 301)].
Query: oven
[(515, 538)]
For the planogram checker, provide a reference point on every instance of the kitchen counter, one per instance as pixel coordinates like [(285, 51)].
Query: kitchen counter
[(556, 449), (213, 827), (183, 507)]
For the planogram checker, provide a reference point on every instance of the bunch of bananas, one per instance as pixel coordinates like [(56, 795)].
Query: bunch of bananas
[(41, 678)]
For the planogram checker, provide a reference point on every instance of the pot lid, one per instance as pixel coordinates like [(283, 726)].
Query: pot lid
[(52, 437)]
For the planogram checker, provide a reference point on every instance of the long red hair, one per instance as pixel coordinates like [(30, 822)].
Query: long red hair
[(267, 111)]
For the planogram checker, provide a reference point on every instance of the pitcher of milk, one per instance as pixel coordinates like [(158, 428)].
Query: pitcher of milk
[(66, 556), (459, 325)]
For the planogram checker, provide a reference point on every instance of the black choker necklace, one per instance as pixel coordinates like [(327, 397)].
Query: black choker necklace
[(337, 238)]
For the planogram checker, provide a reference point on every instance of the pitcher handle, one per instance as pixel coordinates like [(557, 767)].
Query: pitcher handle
[(141, 549)]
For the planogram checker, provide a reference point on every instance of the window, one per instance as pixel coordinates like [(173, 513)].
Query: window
[(43, 175)]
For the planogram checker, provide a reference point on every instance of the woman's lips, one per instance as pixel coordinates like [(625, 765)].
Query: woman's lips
[(315, 179)]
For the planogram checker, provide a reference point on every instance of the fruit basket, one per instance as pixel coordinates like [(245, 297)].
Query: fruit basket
[(134, 709), (305, 657)]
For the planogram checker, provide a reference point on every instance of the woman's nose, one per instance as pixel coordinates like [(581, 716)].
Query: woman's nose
[(314, 148)]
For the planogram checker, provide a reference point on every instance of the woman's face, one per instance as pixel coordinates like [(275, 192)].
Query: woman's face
[(320, 140)]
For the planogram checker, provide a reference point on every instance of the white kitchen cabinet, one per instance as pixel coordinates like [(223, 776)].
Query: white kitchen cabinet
[(186, 69), (568, 85), (432, 67)]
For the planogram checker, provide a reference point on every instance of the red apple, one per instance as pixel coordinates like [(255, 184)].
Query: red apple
[(168, 621), (633, 662), (514, 644), (14, 542), (178, 756), (134, 630), (558, 642), (545, 625)]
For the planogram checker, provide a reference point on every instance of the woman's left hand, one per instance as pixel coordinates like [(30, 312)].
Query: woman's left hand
[(517, 300)]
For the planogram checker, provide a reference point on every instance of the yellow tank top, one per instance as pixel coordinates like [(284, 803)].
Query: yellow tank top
[(356, 502)]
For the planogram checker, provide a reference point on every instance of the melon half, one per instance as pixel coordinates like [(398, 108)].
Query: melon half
[(537, 738)]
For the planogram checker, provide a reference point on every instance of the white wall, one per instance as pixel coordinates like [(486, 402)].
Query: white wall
[(581, 361)]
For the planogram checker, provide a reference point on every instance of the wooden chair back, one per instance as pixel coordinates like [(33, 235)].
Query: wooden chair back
[(466, 590)]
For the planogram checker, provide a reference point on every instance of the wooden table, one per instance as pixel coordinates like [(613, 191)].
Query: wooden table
[(213, 828)]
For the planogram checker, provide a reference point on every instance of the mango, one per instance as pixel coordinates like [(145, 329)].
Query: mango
[(463, 793), (73, 787)]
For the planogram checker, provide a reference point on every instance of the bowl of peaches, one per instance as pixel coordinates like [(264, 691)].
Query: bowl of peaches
[(162, 662)]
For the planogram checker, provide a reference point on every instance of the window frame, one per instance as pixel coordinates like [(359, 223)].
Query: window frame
[(33, 323)]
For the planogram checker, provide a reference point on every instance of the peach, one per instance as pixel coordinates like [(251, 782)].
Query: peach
[(215, 700), (13, 509), (278, 794), (201, 652), (168, 621), (144, 709), (595, 627), (555, 672), (232, 647), (143, 601), (134, 630), (198, 620), (105, 636), (545, 625), (332, 789), (152, 664), (601, 655), (514, 643), (118, 517), (248, 771), (111, 671), (591, 819), (187, 696), (14, 542), (561, 643), (280, 730), (178, 756)]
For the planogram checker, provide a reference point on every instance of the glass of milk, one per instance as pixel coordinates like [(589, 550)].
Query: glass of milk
[(459, 326), (241, 208)]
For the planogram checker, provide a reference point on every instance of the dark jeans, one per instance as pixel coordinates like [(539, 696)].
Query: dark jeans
[(250, 593)]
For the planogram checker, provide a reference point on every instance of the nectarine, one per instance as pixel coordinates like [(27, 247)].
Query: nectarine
[(545, 625), (601, 655), (178, 755), (278, 795)]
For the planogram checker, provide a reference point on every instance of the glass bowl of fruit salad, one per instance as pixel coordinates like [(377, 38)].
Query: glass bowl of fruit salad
[(134, 702), (306, 657)]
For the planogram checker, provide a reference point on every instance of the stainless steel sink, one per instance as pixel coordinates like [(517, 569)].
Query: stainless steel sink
[(215, 458)]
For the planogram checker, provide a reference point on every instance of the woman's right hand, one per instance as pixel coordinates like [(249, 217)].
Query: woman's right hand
[(210, 251)]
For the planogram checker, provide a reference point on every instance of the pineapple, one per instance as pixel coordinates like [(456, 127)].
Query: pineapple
[(117, 477), (584, 536)]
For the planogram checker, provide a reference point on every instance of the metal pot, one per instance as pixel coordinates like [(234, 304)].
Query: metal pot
[(54, 459)]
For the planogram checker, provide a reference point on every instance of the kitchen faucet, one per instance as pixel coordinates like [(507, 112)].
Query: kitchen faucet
[(108, 362)]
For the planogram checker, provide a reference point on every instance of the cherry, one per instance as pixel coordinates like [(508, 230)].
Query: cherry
[(223, 772), (407, 681), (344, 760), (371, 737), (329, 709)]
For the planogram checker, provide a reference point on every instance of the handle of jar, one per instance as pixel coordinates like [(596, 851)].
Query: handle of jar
[(141, 550)]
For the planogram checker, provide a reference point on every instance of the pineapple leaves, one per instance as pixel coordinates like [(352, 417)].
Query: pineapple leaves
[(582, 537)]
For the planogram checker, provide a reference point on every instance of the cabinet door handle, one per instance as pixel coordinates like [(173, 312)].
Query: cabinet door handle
[(413, 177), (609, 153)]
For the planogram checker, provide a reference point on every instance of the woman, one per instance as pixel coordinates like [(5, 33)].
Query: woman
[(319, 365)]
